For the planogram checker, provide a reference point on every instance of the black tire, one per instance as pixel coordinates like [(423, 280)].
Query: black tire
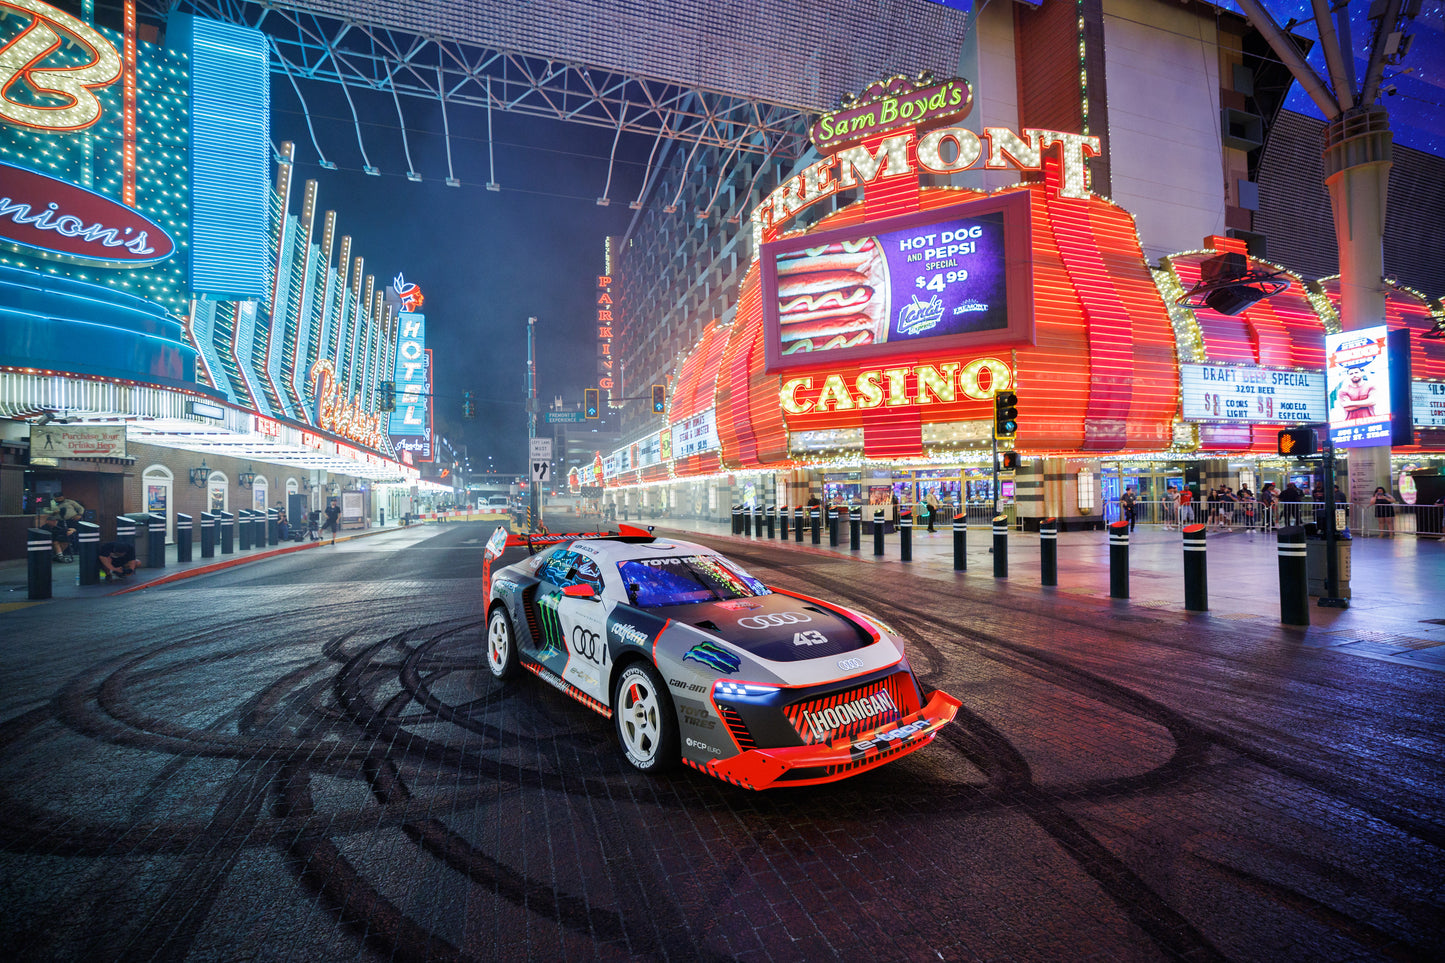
[(501, 644), (645, 721)]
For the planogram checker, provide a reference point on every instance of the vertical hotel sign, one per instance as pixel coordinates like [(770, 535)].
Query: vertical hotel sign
[(410, 424), (606, 377)]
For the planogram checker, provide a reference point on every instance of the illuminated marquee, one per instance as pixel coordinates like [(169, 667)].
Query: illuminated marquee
[(856, 166), (943, 383), (65, 222), (64, 95), (889, 105), (605, 381)]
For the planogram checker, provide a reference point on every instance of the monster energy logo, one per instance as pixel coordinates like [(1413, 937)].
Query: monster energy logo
[(713, 656), (552, 640)]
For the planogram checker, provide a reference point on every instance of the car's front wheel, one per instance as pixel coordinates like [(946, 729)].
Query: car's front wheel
[(646, 725), (501, 644)]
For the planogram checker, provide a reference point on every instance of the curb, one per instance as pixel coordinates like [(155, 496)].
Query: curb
[(244, 559)]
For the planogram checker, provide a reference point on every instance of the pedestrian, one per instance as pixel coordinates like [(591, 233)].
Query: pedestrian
[(1384, 504), (117, 560), (1268, 496), (1247, 507), (1174, 500), (1186, 506), (1289, 502), (934, 506), (333, 519), (59, 539), (1223, 507)]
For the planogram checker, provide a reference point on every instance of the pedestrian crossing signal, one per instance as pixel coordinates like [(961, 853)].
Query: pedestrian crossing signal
[(659, 399), (592, 402), (1008, 461), (1298, 442)]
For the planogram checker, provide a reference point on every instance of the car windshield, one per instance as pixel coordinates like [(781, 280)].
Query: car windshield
[(656, 582)]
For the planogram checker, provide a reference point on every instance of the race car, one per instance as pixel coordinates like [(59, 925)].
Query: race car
[(697, 661)]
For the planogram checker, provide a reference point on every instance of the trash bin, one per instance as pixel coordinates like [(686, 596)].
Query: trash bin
[(1317, 562)]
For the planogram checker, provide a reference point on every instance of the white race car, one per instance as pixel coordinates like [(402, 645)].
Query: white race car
[(696, 660)]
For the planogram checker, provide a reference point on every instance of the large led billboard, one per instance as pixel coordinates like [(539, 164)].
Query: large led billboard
[(952, 277), (1357, 373)]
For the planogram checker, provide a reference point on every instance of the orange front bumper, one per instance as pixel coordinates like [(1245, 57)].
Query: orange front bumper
[(829, 762)]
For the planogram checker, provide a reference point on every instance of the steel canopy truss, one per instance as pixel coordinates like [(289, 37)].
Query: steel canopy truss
[(454, 73)]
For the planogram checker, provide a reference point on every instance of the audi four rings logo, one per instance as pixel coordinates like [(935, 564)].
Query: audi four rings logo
[(587, 644), (773, 618)]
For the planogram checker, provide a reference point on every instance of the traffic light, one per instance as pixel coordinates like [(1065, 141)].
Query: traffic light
[(1008, 461), (1005, 414), (469, 406), (386, 399), (592, 402), (1298, 442), (659, 399)]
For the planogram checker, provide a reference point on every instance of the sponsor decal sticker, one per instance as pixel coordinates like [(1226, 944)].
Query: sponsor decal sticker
[(892, 735), (629, 634), (859, 710), (713, 656), (695, 744), (589, 645)]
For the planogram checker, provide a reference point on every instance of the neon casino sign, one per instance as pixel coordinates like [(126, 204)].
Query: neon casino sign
[(63, 95), (945, 150)]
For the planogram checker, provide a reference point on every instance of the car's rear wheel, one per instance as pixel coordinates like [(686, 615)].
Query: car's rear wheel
[(501, 644), (646, 725)]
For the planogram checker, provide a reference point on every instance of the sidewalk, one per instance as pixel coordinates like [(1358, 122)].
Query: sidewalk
[(1396, 584), (64, 578)]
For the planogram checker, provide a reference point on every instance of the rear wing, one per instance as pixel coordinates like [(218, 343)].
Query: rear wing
[(502, 540)]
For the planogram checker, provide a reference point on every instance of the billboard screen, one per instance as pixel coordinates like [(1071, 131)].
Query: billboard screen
[(950, 277), (1357, 372)]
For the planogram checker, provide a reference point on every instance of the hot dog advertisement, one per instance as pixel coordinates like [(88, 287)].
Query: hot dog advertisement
[(928, 281)]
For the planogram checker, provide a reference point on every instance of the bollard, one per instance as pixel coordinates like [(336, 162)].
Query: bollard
[(855, 529), (748, 517), (1000, 546), (243, 529), (125, 531), (1119, 560), (737, 520), (183, 537), (89, 557), (905, 535), (815, 525), (1196, 578), (832, 528), (877, 531), (768, 511), (798, 525), (960, 543), (1294, 589), (156, 541), (783, 520), (273, 526), (209, 523), (258, 528), (228, 533), (38, 550), (1049, 551)]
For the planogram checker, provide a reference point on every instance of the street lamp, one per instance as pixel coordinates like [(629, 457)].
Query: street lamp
[(247, 478), (199, 476)]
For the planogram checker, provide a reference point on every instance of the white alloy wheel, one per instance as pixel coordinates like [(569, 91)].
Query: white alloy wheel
[(646, 727), (501, 644)]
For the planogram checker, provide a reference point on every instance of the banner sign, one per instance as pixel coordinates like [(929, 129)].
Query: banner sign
[(1357, 371), (1429, 403), (77, 441), (695, 435), (1243, 393)]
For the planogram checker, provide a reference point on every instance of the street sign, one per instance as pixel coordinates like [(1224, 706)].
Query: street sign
[(540, 449), (562, 417), (541, 471)]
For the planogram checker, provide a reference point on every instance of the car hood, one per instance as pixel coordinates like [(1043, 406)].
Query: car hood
[(775, 627)]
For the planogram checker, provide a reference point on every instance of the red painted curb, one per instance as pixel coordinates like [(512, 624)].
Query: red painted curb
[(242, 560)]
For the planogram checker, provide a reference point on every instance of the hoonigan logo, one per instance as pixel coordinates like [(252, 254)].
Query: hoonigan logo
[(713, 656), (859, 710)]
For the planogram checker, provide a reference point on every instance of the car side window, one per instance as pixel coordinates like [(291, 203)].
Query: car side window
[(587, 571), (557, 567)]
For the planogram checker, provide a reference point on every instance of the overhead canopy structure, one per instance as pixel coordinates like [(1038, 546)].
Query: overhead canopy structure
[(733, 74)]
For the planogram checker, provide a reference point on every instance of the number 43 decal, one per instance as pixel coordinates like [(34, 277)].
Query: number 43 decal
[(810, 637)]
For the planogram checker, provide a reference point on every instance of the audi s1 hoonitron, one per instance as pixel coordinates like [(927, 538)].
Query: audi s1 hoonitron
[(696, 661)]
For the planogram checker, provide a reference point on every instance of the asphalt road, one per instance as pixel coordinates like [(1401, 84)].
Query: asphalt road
[(305, 759)]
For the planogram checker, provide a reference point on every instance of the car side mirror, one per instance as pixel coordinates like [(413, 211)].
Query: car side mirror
[(580, 590)]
